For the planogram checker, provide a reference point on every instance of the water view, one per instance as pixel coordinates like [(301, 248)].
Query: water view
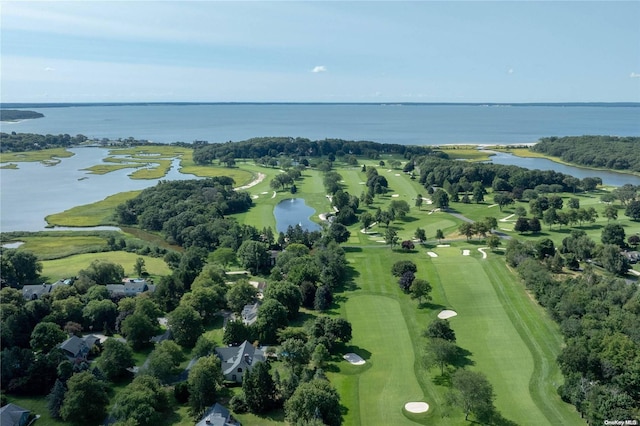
[(292, 212), (415, 124)]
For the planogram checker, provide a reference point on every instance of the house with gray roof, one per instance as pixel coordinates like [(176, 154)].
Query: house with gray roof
[(33, 292), (14, 415), (130, 287), (250, 313), (78, 348), (217, 415), (236, 360)]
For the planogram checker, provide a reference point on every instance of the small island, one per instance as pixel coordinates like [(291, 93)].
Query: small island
[(17, 114)]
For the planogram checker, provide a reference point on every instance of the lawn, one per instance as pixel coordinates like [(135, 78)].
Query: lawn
[(69, 266)]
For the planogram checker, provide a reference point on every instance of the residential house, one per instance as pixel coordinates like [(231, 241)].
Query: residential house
[(217, 415), (130, 287), (238, 359), (250, 313), (33, 292), (14, 415), (632, 256), (78, 348)]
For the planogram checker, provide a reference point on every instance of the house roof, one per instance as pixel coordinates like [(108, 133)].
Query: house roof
[(250, 313), (11, 414), (31, 292), (244, 355), (217, 415), (78, 346)]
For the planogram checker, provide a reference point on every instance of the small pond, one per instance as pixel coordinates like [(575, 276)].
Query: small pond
[(14, 245), (292, 212)]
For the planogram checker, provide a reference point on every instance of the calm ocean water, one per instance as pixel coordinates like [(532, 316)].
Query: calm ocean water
[(404, 124)]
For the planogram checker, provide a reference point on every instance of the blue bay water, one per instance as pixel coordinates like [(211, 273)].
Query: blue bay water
[(34, 191), (417, 124)]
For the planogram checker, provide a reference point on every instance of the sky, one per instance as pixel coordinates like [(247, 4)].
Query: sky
[(319, 51)]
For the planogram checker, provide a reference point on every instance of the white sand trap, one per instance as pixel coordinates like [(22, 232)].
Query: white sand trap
[(432, 254), (395, 195), (381, 241), (484, 253), (446, 314), (264, 193), (507, 218), (362, 183), (389, 170), (506, 229), (254, 197), (397, 174), (416, 407), (274, 194), (492, 205), (466, 252), (443, 245), (354, 359)]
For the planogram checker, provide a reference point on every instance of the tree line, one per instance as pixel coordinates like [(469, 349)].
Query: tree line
[(610, 152), (21, 142)]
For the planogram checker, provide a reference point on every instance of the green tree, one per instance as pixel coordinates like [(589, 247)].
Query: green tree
[(294, 353), (253, 255), (164, 360), (633, 210), (366, 219), (20, 267), (98, 313), (103, 272), (240, 294), (139, 329), (420, 235), (610, 212), (235, 333), (613, 261), (467, 229), (503, 199), (56, 398), (391, 237), (46, 336), (224, 256), (440, 199), (441, 352), (493, 241), (402, 266), (314, 400), (142, 402), (85, 401), (613, 234), (420, 289), (287, 294), (115, 359), (419, 201), (205, 378), (272, 316), (259, 388), (440, 329), (139, 267), (186, 325), (439, 235), (474, 394), (400, 208)]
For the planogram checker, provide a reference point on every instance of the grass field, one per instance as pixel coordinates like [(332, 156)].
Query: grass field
[(69, 266), (94, 214), (48, 156), (48, 248)]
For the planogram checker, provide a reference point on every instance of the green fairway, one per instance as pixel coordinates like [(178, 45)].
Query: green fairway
[(509, 337), (69, 266)]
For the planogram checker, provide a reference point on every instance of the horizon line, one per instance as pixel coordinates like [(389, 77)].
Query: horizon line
[(390, 103)]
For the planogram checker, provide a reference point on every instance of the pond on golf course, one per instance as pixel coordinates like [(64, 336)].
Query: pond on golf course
[(292, 212)]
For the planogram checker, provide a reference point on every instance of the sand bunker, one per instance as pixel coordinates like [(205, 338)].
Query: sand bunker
[(505, 219), (443, 245), (264, 193), (466, 252), (354, 359), (254, 197), (432, 254), (416, 407), (446, 314), (395, 195), (397, 174), (484, 253)]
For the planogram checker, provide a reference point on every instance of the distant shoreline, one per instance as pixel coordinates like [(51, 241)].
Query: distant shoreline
[(408, 104)]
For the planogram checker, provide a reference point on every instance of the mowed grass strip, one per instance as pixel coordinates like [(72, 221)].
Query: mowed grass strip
[(69, 266), (390, 382), (93, 214), (485, 328)]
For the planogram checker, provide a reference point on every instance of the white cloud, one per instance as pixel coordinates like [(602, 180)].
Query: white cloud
[(510, 71), (319, 68), (634, 75), (49, 69)]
